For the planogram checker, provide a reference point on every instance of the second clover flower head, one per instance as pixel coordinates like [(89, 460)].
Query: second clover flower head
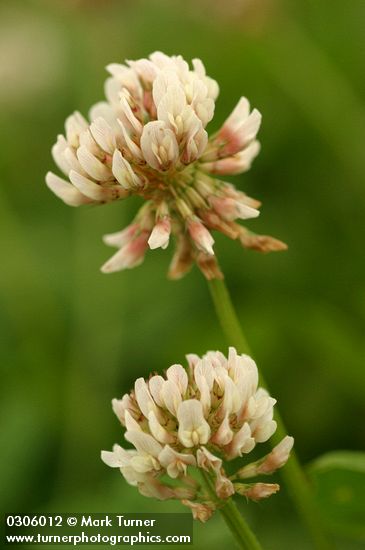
[(198, 419), (149, 139)]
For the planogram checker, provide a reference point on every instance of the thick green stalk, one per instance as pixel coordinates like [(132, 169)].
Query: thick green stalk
[(238, 526), (292, 473)]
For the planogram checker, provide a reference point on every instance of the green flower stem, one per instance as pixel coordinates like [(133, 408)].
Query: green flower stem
[(292, 473), (238, 526)]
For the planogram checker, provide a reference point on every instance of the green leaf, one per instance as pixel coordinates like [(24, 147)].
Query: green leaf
[(339, 482)]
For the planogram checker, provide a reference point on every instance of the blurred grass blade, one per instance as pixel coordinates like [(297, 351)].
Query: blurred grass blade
[(339, 482), (308, 76)]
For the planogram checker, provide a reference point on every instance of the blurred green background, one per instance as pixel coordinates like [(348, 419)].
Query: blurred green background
[(73, 338)]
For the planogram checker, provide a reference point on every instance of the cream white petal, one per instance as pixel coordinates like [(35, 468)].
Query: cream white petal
[(74, 125), (239, 114), (242, 442), (162, 83), (117, 458), (92, 165), (193, 428), (160, 235), (93, 190), (87, 140), (174, 462), (71, 158), (143, 397), (177, 374), (130, 423), (123, 172), (159, 145), (155, 384), (171, 396), (103, 135), (132, 146), (264, 431), (158, 431), (58, 154), (65, 191), (144, 443), (135, 124)]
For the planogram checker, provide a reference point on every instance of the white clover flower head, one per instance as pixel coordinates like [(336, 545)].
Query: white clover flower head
[(149, 139), (198, 418)]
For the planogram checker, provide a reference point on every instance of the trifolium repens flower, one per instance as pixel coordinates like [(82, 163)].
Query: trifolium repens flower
[(149, 139), (198, 419)]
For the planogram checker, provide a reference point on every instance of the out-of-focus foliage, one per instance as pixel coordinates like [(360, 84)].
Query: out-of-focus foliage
[(339, 481), (73, 338)]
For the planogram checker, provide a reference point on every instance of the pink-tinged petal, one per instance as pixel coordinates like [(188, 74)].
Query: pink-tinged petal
[(130, 255), (239, 114), (208, 265), (160, 235), (224, 434), (193, 428), (208, 461), (232, 209), (278, 456), (201, 511), (201, 236), (120, 238), (260, 243), (182, 259), (65, 191), (237, 164), (153, 488), (258, 491), (239, 130), (223, 487)]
